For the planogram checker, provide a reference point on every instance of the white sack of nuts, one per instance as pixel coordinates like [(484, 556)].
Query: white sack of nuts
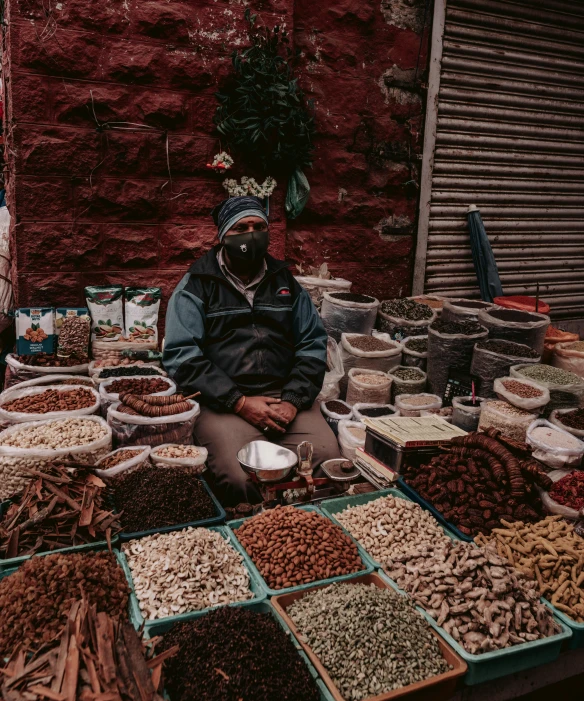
[(475, 595), (169, 454), (389, 526), (186, 570)]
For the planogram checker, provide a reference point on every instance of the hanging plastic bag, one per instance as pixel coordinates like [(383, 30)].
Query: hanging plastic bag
[(197, 464), (414, 404), (466, 413), (144, 430), (297, 194), (367, 411), (528, 328), (567, 357), (353, 356), (412, 357), (14, 417), (143, 453), (510, 420), (19, 372), (489, 364), (332, 417), (348, 316), (555, 418), (399, 328), (351, 436), (562, 396), (401, 385), (527, 403), (463, 309), (547, 450), (108, 398), (449, 352), (552, 506), (368, 386), (334, 374)]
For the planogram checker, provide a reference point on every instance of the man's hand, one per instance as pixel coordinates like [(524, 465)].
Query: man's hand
[(286, 411), (261, 412)]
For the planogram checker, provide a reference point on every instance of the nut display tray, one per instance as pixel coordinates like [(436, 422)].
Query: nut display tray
[(367, 562), (437, 688)]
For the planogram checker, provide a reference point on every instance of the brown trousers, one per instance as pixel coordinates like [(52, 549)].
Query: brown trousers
[(224, 434)]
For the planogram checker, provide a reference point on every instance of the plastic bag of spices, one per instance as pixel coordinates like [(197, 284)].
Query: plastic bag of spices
[(13, 417), (406, 380), (334, 374), (413, 404), (493, 358), (377, 352), (108, 398), (569, 356), (144, 430), (528, 328), (17, 371), (552, 506), (558, 416), (142, 453), (510, 420), (566, 389), (553, 446), (463, 309), (401, 318), (466, 412), (196, 462), (373, 411), (370, 386), (521, 393), (334, 411), (351, 437), (347, 312), (415, 352)]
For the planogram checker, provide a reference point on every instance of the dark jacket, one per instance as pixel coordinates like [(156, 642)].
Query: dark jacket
[(216, 343)]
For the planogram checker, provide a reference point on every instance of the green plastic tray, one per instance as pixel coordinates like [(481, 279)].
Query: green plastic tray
[(217, 520), (256, 585), (165, 624), (577, 639), (16, 561), (499, 663), (330, 507), (367, 562)]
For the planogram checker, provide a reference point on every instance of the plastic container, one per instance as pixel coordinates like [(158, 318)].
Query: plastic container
[(524, 327), (556, 421), (448, 352), (358, 416), (125, 465), (163, 626), (362, 392), (399, 328), (335, 372), (15, 417), (234, 525), (500, 663), (331, 507), (407, 408), (217, 520), (333, 418), (382, 360), (511, 425), (195, 463), (556, 458), (464, 309), (567, 358), (577, 639), (561, 396), (412, 358), (17, 372), (340, 316), (438, 688), (488, 365), (465, 415), (143, 430), (349, 443), (401, 386), (108, 398), (138, 620), (527, 403)]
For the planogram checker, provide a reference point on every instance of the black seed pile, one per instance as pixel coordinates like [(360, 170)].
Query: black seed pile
[(573, 419), (407, 309), (375, 411), (516, 350), (418, 345), (125, 371), (465, 328), (234, 654), (352, 297), (154, 497), (337, 407), (514, 315), (369, 343)]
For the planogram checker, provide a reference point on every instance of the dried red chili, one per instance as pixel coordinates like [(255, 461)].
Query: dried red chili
[(569, 491)]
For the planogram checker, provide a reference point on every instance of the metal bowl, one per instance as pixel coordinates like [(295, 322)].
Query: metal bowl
[(267, 461)]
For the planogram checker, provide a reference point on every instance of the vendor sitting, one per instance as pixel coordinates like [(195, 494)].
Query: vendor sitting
[(244, 333)]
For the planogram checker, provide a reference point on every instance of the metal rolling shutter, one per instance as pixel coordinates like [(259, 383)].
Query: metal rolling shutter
[(509, 137)]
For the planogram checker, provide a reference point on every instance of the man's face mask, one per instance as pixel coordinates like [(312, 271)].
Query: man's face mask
[(251, 246)]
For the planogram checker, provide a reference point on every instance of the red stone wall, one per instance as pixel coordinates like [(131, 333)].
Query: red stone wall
[(109, 127)]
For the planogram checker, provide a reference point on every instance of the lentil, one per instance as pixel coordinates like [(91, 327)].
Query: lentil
[(550, 375), (139, 386), (569, 491), (150, 497), (407, 309), (521, 390), (407, 374), (370, 379), (352, 297), (183, 571), (52, 400), (418, 345), (290, 547), (122, 371), (510, 420), (418, 400), (573, 419), (338, 407), (517, 350), (555, 439), (355, 629), (36, 599), (369, 343), (463, 328), (234, 653)]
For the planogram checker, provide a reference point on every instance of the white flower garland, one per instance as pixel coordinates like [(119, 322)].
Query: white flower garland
[(249, 186), (221, 161)]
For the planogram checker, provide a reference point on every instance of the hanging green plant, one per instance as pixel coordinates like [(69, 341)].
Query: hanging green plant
[(262, 115)]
